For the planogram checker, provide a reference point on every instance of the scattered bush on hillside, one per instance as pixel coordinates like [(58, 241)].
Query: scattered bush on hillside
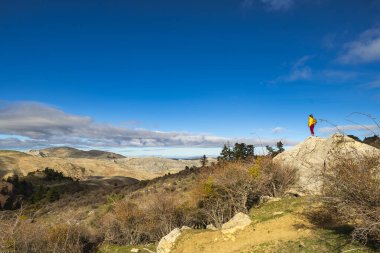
[(136, 222), (351, 189), (18, 234), (373, 141), (20, 187), (53, 175), (145, 215), (354, 137), (34, 192), (231, 187)]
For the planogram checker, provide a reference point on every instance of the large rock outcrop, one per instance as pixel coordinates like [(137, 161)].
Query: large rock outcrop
[(315, 154)]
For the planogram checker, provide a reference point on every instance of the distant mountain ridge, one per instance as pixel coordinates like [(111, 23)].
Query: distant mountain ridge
[(69, 152), (81, 164)]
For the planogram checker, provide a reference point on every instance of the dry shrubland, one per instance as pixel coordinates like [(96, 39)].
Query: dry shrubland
[(142, 221), (20, 234), (352, 193), (231, 187), (216, 194), (194, 197)]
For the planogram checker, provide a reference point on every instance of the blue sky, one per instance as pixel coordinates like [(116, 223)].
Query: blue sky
[(185, 76)]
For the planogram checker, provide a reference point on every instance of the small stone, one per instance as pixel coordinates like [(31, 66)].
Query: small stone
[(294, 193), (268, 199), (239, 221), (277, 213), (211, 227), (134, 250)]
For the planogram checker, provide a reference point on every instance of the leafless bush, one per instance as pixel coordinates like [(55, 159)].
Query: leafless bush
[(277, 179), (124, 225), (145, 220), (19, 234), (231, 187), (218, 192), (352, 187)]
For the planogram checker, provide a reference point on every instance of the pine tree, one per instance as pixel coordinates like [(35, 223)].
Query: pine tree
[(52, 195), (239, 152), (204, 161), (226, 153), (38, 194), (250, 151), (280, 147), (270, 150)]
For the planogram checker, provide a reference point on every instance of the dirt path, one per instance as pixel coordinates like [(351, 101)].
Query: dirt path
[(285, 228)]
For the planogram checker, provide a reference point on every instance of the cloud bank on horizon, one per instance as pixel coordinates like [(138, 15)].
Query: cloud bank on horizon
[(367, 129), (31, 124)]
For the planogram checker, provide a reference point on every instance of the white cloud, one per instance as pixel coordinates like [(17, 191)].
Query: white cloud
[(329, 41), (345, 128), (336, 75), (278, 5), (373, 84), (277, 130), (365, 49), (247, 3), (272, 5), (40, 125), (304, 73), (299, 71)]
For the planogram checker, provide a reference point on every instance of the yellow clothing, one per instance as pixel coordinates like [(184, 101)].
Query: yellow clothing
[(311, 121)]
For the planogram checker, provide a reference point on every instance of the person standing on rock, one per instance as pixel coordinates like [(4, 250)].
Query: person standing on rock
[(311, 124)]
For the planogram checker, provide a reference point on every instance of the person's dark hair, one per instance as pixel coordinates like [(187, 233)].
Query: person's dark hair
[(311, 115)]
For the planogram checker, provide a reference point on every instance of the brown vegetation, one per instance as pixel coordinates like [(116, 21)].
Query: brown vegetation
[(147, 210), (231, 187), (133, 223), (20, 234), (351, 191)]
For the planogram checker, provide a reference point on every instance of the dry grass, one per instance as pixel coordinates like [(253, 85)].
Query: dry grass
[(143, 212), (227, 188), (143, 221), (20, 234), (352, 192)]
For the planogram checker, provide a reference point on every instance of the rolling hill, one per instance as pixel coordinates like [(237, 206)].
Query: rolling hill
[(69, 152), (85, 164)]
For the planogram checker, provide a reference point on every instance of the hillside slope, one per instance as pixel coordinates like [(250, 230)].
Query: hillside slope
[(281, 226)]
